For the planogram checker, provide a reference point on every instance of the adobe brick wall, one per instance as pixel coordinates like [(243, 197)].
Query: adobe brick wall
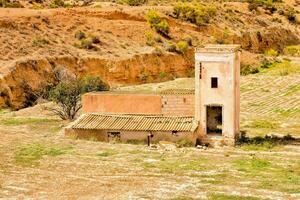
[(171, 104), (182, 105), (121, 103)]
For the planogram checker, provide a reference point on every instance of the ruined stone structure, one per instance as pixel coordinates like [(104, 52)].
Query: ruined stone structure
[(209, 114)]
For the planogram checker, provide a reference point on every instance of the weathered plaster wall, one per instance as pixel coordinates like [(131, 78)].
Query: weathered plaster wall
[(224, 66), (121, 103), (182, 105), (178, 105)]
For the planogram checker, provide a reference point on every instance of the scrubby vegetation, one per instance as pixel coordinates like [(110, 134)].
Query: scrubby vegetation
[(67, 95), (292, 50), (160, 25), (271, 52), (134, 2), (195, 13), (84, 42), (30, 155), (10, 4), (182, 47), (59, 3)]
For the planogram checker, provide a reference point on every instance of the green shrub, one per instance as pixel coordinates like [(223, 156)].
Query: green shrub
[(10, 4), (143, 76), (184, 143), (155, 21), (150, 39), (271, 52), (182, 47), (80, 35), (248, 69), (170, 47), (157, 51), (158, 39), (136, 2), (162, 75), (87, 43), (266, 4), (198, 14), (58, 3), (292, 50)]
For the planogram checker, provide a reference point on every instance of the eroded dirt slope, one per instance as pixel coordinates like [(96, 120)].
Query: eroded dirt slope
[(34, 44)]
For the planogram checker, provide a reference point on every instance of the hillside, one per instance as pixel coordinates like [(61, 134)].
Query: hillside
[(38, 161), (121, 47)]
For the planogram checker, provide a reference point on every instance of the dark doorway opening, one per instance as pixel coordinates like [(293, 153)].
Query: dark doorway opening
[(214, 119)]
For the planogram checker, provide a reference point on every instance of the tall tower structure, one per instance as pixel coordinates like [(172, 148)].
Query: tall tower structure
[(217, 91)]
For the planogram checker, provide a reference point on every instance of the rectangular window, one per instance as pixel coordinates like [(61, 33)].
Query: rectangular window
[(214, 82)]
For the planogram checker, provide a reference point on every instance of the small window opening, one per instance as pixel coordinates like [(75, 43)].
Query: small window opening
[(175, 133), (114, 136), (214, 82)]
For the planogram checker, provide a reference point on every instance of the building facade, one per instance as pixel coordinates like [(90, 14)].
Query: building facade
[(209, 114)]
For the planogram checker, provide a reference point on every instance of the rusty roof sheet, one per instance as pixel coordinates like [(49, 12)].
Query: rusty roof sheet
[(99, 121)]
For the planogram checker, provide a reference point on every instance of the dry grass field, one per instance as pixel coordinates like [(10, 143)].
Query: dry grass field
[(37, 161)]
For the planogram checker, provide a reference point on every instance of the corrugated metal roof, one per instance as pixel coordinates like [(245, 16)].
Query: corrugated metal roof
[(99, 121)]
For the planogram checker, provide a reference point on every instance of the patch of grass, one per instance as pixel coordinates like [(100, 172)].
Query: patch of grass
[(283, 177), (4, 111), (251, 165), (107, 153), (266, 146), (292, 90), (169, 165), (263, 123), (231, 197), (30, 154), (25, 121), (282, 69), (184, 143), (287, 112)]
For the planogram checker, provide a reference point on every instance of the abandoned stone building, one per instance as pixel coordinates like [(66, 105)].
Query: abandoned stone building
[(208, 114)]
